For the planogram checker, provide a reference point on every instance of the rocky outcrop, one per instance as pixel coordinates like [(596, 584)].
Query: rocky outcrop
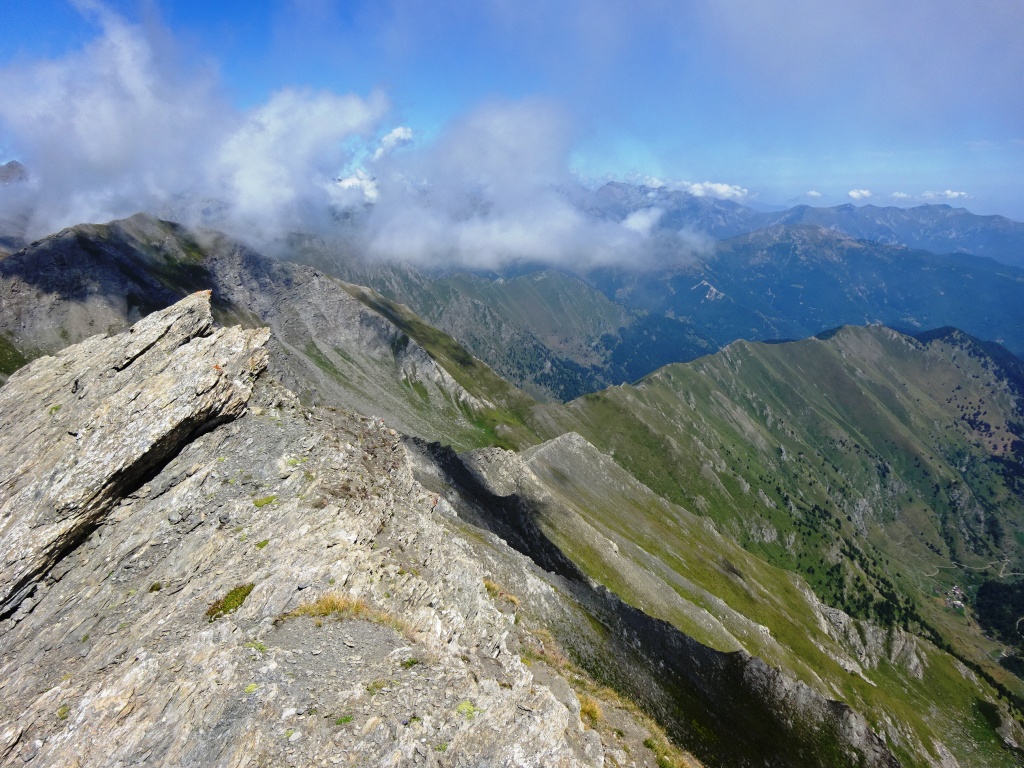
[(164, 524), (85, 427), (871, 644)]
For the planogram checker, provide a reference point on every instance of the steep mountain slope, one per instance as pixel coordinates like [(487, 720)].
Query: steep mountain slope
[(330, 343), (884, 469), (679, 568), (547, 332), (730, 708)]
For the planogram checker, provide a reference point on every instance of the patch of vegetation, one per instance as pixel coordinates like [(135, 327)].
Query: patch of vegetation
[(11, 358), (258, 503), (420, 389), (55, 409), (262, 544), (590, 710), (410, 663), (342, 607), (665, 755), (323, 362), (230, 603), (467, 709), (63, 711), (1000, 606), (256, 645), (378, 685), (252, 688), (343, 720), (497, 592), (156, 586)]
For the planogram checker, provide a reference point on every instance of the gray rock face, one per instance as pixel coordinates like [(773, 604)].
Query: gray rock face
[(85, 426), (173, 473)]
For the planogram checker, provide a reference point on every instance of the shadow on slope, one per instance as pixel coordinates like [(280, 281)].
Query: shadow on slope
[(730, 709)]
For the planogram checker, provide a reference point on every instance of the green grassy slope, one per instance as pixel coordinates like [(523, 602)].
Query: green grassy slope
[(678, 567), (879, 468)]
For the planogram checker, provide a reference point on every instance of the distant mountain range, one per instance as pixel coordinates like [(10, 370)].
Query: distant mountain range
[(938, 228)]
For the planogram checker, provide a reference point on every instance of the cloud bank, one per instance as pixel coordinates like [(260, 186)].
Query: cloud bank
[(128, 124), (492, 190)]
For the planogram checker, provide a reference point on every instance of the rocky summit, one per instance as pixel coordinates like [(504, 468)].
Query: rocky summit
[(199, 570)]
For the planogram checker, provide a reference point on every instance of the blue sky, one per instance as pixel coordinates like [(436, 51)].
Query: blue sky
[(796, 101)]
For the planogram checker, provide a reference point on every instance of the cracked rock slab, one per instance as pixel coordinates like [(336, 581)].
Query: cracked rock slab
[(82, 428)]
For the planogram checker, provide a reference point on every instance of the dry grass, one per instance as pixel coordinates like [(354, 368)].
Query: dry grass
[(497, 592), (342, 607), (590, 710)]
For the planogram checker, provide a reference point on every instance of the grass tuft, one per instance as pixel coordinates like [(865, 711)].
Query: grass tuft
[(590, 710), (342, 607), (497, 592), (230, 603)]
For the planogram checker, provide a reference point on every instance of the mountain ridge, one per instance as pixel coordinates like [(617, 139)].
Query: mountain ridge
[(640, 516)]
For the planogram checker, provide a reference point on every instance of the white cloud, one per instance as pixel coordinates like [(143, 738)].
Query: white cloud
[(394, 138), (285, 155), (859, 194), (360, 182), (949, 194), (646, 181), (716, 189), (127, 123), (697, 189), (643, 221), (901, 196), (486, 193), (814, 193)]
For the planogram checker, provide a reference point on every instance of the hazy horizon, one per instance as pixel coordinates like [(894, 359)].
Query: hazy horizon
[(457, 122)]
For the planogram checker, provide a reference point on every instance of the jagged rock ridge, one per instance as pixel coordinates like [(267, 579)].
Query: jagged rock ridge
[(196, 475)]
